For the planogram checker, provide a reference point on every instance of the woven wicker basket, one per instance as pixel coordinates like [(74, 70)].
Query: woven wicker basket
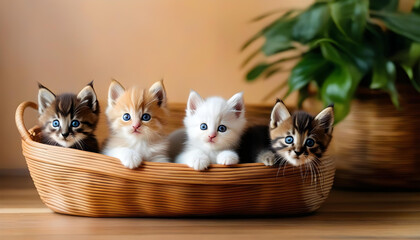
[(376, 145), (81, 183)]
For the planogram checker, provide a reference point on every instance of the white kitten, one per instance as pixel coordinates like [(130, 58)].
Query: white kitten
[(136, 118), (214, 127)]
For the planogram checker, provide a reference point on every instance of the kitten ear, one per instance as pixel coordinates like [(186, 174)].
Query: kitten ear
[(157, 90), (114, 92), (87, 94), (45, 98), (236, 102), (326, 119), (194, 100), (279, 114)]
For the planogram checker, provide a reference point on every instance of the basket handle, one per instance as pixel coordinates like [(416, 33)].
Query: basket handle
[(19, 119)]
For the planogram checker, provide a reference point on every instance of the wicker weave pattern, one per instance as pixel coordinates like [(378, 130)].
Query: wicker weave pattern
[(88, 184), (377, 144)]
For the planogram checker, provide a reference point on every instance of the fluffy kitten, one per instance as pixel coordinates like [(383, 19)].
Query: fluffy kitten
[(68, 120), (136, 118), (213, 128), (296, 139)]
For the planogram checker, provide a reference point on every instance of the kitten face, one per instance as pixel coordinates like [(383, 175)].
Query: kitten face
[(67, 119), (214, 123), (300, 138), (136, 114)]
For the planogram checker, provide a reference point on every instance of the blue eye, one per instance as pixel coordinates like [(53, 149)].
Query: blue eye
[(222, 128), (289, 139), (203, 126), (75, 123), (55, 123), (126, 117), (146, 117), (310, 142)]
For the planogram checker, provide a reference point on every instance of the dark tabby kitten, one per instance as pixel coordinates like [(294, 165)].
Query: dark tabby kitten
[(68, 120), (296, 139)]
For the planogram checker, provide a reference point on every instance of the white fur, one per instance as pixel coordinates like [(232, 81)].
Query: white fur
[(199, 153), (132, 155), (227, 157)]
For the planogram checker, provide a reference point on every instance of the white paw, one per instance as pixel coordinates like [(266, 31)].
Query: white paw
[(227, 158), (129, 158), (197, 160), (267, 157)]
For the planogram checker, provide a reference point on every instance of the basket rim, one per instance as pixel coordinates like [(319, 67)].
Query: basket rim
[(27, 136), (242, 173)]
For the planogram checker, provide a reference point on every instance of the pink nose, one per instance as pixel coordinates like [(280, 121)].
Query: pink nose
[(135, 127), (212, 136)]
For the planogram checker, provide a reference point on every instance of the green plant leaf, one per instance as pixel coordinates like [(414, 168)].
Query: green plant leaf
[(379, 75), (256, 71), (350, 16), (413, 75), (416, 76), (311, 23), (338, 86), (390, 5), (271, 72), (341, 58), (361, 54), (413, 54), (416, 7), (303, 94), (273, 46), (251, 40), (278, 38), (331, 53), (340, 111), (401, 23), (390, 86), (283, 18), (306, 70), (383, 77), (270, 13)]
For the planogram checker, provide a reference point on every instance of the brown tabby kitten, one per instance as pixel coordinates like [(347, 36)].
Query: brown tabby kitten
[(68, 120), (296, 139)]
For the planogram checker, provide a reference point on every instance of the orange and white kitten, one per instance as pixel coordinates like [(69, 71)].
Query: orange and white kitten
[(136, 118)]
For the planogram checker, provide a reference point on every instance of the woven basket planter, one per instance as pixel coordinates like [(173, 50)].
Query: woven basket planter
[(81, 183), (376, 146)]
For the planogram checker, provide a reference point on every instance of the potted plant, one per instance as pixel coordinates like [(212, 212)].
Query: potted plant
[(352, 52)]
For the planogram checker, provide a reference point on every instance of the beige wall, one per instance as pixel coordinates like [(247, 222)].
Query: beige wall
[(192, 44)]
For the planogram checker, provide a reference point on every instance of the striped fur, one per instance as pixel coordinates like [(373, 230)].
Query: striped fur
[(269, 144), (66, 108)]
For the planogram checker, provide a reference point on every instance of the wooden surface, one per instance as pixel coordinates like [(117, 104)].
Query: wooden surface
[(345, 215)]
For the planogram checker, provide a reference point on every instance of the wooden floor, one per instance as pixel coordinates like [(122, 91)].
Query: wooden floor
[(346, 215)]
